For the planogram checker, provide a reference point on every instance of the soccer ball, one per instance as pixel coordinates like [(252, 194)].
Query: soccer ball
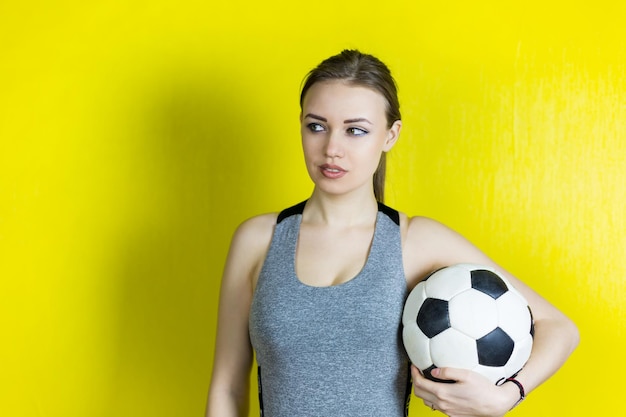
[(467, 316)]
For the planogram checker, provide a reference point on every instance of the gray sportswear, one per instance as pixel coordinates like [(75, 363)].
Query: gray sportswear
[(331, 351)]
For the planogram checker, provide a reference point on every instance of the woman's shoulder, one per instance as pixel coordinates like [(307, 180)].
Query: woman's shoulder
[(248, 248), (255, 230), (423, 224), (422, 227), (419, 227), (258, 230), (429, 244), (434, 237)]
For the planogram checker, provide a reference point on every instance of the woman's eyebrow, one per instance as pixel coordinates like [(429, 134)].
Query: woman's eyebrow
[(314, 116), (357, 120), (348, 121)]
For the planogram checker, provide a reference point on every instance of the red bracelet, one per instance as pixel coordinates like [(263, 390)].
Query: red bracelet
[(522, 393)]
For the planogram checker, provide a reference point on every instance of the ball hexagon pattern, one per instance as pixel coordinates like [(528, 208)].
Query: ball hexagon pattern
[(468, 316)]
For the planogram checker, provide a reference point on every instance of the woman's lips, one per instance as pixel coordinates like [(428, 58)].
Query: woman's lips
[(332, 171)]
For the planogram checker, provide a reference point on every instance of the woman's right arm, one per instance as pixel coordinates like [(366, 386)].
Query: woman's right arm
[(229, 389)]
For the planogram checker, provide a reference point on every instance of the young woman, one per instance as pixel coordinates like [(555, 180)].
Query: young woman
[(317, 291)]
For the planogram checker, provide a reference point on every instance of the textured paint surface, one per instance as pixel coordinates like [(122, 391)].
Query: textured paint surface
[(135, 136)]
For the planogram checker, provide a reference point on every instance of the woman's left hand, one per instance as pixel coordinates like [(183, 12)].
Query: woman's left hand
[(472, 395)]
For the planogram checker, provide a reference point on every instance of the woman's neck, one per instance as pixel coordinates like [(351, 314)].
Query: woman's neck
[(344, 210)]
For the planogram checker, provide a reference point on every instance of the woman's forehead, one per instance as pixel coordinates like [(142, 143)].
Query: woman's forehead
[(340, 96)]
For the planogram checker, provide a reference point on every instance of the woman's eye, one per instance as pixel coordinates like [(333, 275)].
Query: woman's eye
[(355, 131), (315, 127)]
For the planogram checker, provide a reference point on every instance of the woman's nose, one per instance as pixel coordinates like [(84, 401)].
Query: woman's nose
[(334, 145)]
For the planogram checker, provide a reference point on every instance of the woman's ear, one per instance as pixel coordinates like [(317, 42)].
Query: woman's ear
[(392, 135)]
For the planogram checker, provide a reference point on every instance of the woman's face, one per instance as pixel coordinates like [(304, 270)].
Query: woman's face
[(344, 131)]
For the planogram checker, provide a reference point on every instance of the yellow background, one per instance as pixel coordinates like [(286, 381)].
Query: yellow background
[(136, 135)]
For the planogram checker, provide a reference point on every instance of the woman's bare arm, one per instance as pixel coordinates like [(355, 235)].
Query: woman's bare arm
[(229, 389), (430, 245)]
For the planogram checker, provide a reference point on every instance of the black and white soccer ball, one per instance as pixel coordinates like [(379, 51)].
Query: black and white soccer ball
[(467, 316)]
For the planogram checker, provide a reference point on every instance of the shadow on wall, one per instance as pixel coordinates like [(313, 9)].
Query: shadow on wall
[(171, 263)]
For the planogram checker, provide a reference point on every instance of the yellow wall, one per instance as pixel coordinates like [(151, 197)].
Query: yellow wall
[(135, 136)]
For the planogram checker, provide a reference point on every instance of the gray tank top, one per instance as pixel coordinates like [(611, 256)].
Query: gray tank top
[(331, 351)]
